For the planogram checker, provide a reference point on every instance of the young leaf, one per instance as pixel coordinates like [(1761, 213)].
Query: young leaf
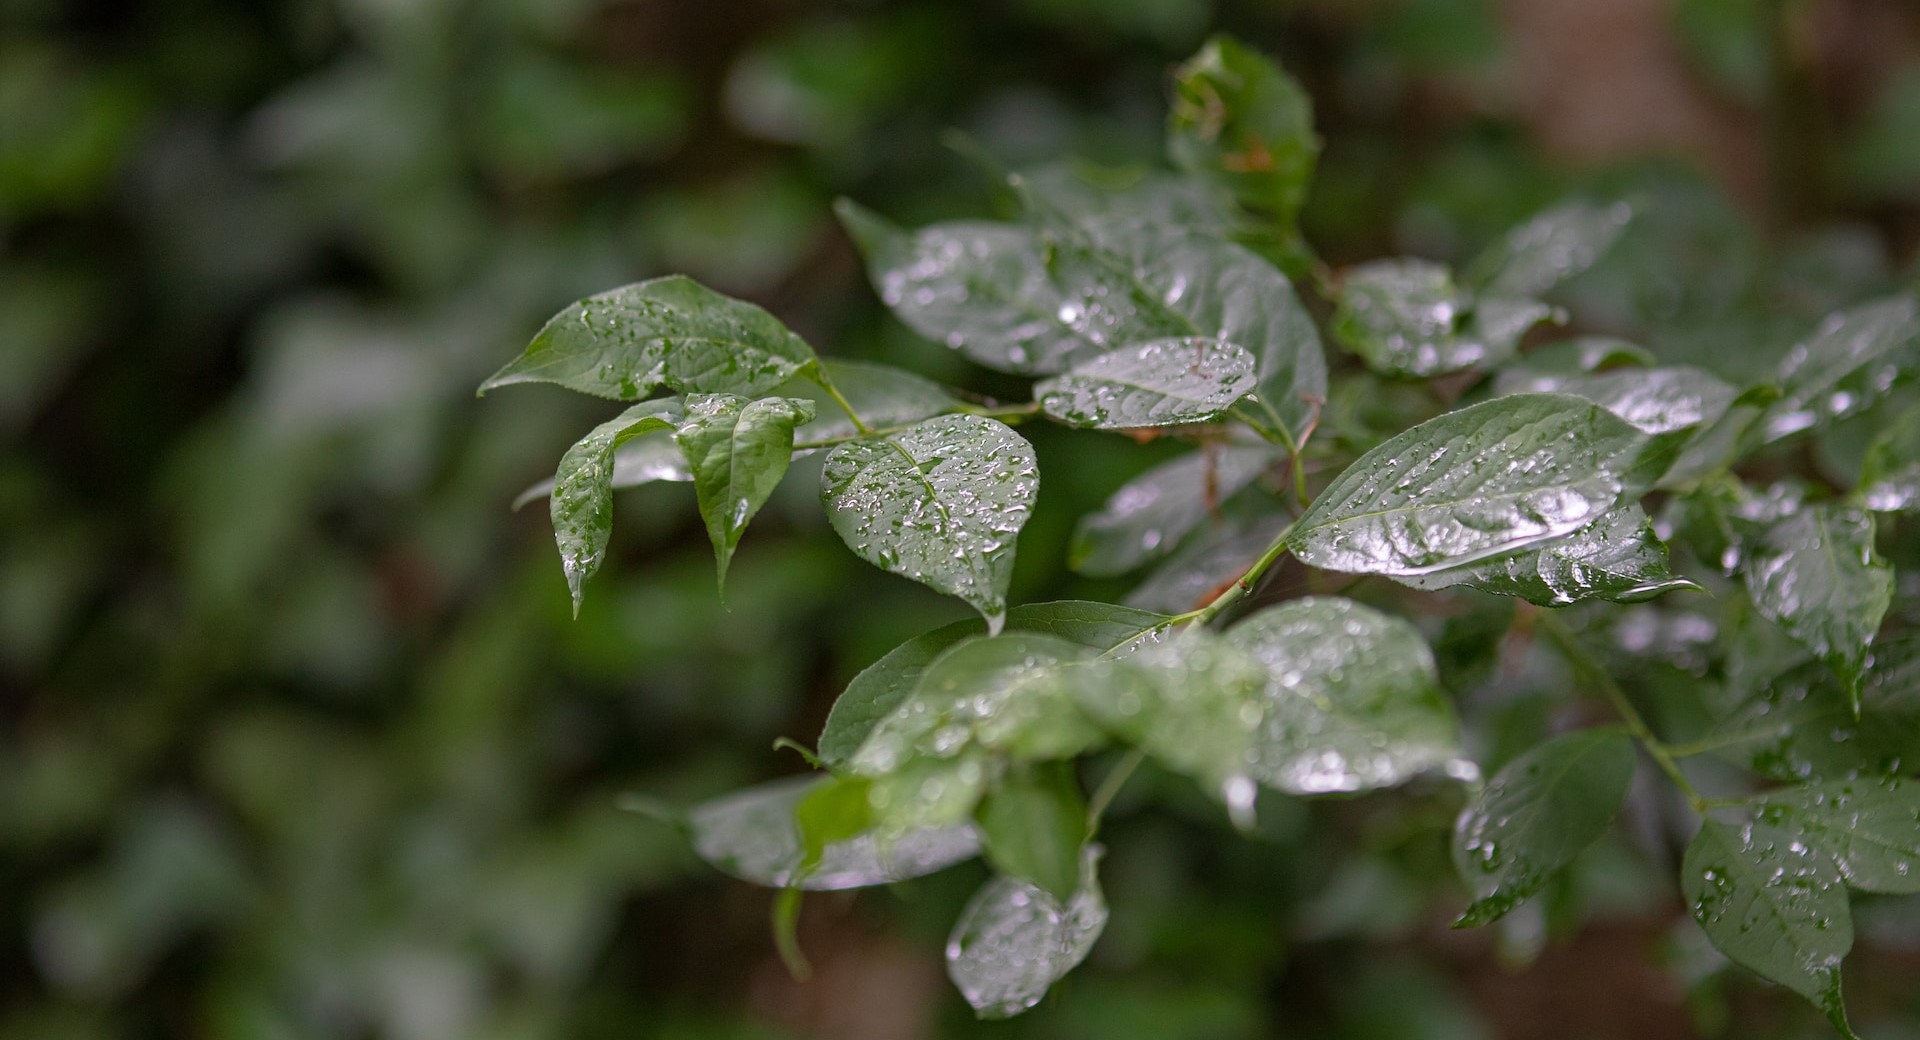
[(1890, 476), (1406, 318), (1851, 361), (1774, 905), (1549, 249), (582, 505), (881, 394), (646, 458), (1475, 483), (1161, 382), (1032, 827), (738, 450), (1544, 369), (1014, 940), (1870, 828), (669, 331), (840, 809), (752, 835), (877, 691), (1816, 574), (1151, 513), (940, 502), (1538, 813), (1351, 700), (1617, 557)]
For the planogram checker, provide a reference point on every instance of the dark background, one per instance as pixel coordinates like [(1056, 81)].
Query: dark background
[(296, 738)]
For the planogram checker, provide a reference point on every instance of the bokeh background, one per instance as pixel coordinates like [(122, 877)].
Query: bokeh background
[(296, 737)]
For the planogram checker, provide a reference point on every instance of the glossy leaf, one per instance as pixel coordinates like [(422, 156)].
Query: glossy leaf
[(881, 394), (1201, 569), (1890, 475), (1472, 484), (1801, 726), (941, 502), (643, 459), (1544, 369), (1655, 400), (671, 332), (1407, 318), (1869, 827), (1549, 249), (1539, 812), (1013, 940), (928, 794), (1162, 382), (1351, 700), (1816, 573), (1151, 514), (1032, 827), (1617, 557), (582, 502), (738, 450), (752, 835), (1851, 361)]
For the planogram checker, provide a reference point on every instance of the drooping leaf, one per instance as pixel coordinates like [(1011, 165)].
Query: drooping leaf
[(1869, 827), (1472, 484), (881, 394), (738, 450), (1617, 557), (835, 811), (1539, 812), (644, 459), (752, 835), (1816, 574), (1549, 249), (1161, 382), (1351, 700), (1774, 905), (1151, 513), (1013, 940), (1203, 567), (582, 503), (941, 502), (1407, 318), (1544, 369), (1801, 726), (1851, 361), (1032, 827), (1890, 475), (877, 691), (1655, 400), (670, 332)]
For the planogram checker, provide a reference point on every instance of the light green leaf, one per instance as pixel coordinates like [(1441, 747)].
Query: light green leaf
[(1150, 514), (1351, 700), (838, 810), (881, 394), (582, 505), (1543, 369), (928, 793), (1617, 557), (1890, 476), (941, 502), (1774, 905), (1539, 812), (1851, 361), (738, 450), (1163, 382), (1013, 940), (1869, 827), (1032, 827), (877, 691), (1816, 574), (1407, 318), (752, 835), (1472, 484), (1549, 249), (669, 331)]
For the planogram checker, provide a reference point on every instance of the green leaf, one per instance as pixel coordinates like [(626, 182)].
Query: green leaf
[(1655, 400), (1083, 193), (980, 288), (1351, 700), (881, 394), (877, 691), (1538, 813), (1851, 361), (1617, 557), (941, 502), (1407, 319), (830, 813), (1801, 725), (1201, 569), (1773, 905), (1150, 514), (1162, 382), (1870, 828), (582, 505), (1543, 369), (738, 450), (1549, 249), (1816, 574), (644, 459), (1890, 475), (1014, 940), (752, 835), (1032, 828), (669, 331), (1472, 484), (928, 794)]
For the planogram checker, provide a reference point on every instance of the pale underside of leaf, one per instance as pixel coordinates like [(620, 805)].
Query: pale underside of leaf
[(751, 835)]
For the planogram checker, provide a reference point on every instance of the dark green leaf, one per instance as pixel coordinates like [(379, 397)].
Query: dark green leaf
[(1801, 725), (1538, 813), (1472, 484), (1407, 318), (1151, 513), (738, 450), (1655, 400), (940, 502), (1544, 369), (1890, 476), (1193, 576), (1851, 361), (752, 835), (1869, 827), (1162, 382), (1816, 574), (669, 331), (1617, 557), (1014, 940), (1549, 249), (1351, 700), (1032, 827), (582, 505)]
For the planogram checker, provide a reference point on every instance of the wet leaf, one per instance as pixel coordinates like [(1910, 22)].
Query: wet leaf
[(1801, 726), (1083, 193), (928, 793), (941, 502), (1032, 827), (671, 332), (1201, 569), (1617, 557), (752, 835), (1869, 827), (1539, 812), (881, 394), (582, 505), (1013, 940), (1544, 369), (1816, 574), (1151, 514), (1655, 400), (1351, 700), (1472, 484), (1162, 382), (1549, 249), (643, 459), (1407, 318), (1890, 476), (1853, 359), (738, 450)]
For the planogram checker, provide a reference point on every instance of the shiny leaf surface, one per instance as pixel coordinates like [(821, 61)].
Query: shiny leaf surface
[(737, 451), (1816, 573), (1407, 318), (752, 835), (1849, 362), (1013, 940), (582, 501), (1162, 382), (1617, 557), (1151, 514)]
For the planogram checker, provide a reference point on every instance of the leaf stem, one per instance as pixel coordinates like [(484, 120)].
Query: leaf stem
[(1242, 585), (1109, 788), (826, 383), (1004, 412)]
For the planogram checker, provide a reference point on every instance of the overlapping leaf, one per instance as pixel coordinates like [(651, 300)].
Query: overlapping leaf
[(1153, 512), (582, 503), (1033, 826), (752, 835), (737, 451), (1543, 370), (1014, 940), (1890, 474), (1816, 573), (1617, 557), (1851, 361), (1163, 382), (1552, 247), (1801, 725), (1407, 318)]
